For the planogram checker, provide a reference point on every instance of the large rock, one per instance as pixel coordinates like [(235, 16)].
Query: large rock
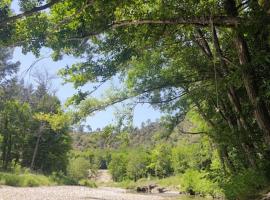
[(147, 188)]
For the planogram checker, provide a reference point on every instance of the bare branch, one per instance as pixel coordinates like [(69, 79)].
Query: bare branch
[(29, 69), (98, 86)]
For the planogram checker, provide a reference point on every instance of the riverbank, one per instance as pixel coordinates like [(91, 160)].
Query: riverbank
[(72, 193)]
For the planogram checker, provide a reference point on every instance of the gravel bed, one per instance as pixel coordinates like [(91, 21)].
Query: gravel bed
[(70, 193)]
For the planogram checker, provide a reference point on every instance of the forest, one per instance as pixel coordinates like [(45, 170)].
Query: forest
[(203, 63)]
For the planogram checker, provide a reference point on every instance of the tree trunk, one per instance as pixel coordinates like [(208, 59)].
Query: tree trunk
[(36, 147), (232, 94), (226, 159), (234, 99), (4, 145), (260, 111)]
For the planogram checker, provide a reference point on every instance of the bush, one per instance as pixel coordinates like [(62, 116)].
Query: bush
[(245, 185), (78, 168), (61, 179), (194, 181), (118, 166), (161, 165), (87, 183), (25, 180), (137, 166)]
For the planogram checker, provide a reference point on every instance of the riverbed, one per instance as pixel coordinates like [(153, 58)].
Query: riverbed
[(80, 193)]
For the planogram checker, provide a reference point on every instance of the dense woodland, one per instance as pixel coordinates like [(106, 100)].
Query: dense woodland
[(27, 138), (202, 61)]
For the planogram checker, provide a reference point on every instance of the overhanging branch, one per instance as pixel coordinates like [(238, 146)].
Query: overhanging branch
[(29, 12), (222, 21), (225, 21)]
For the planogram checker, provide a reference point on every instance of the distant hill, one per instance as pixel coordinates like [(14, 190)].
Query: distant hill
[(147, 135)]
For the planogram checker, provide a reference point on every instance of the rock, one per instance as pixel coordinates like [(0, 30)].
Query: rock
[(146, 189), (159, 190), (191, 192)]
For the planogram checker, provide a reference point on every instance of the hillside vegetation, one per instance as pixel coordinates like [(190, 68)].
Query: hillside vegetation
[(180, 160)]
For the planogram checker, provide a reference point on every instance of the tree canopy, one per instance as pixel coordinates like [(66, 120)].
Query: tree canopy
[(205, 58)]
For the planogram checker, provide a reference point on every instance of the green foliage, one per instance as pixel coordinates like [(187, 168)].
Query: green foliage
[(191, 155), (87, 183), (78, 168), (14, 121), (198, 182), (137, 166), (184, 157), (25, 180), (118, 166), (127, 184), (161, 161), (245, 185), (207, 59), (61, 179)]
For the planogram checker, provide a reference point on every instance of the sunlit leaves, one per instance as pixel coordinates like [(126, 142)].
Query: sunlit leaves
[(31, 33), (56, 121), (4, 3)]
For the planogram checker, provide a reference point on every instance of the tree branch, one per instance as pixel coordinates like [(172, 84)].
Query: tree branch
[(204, 44), (224, 21), (29, 12), (162, 101), (192, 133)]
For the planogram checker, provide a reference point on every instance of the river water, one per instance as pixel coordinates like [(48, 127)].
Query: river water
[(175, 196)]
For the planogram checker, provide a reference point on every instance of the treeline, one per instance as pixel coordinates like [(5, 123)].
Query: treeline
[(183, 158), (27, 138)]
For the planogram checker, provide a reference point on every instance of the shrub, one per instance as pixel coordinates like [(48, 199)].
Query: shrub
[(78, 168), (25, 180), (61, 179), (87, 183), (11, 180), (245, 185), (161, 161), (137, 166), (194, 181), (118, 166)]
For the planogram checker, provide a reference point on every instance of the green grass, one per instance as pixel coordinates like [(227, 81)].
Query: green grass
[(25, 180), (194, 181), (87, 183), (126, 184), (28, 179), (172, 182)]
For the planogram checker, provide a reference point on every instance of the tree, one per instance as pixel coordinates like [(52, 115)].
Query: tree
[(161, 161), (118, 167), (137, 166), (78, 168), (178, 60), (14, 120)]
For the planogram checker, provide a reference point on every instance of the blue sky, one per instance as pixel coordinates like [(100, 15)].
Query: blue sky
[(100, 119), (63, 91)]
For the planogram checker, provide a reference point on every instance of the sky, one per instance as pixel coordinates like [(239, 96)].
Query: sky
[(64, 91), (100, 119)]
